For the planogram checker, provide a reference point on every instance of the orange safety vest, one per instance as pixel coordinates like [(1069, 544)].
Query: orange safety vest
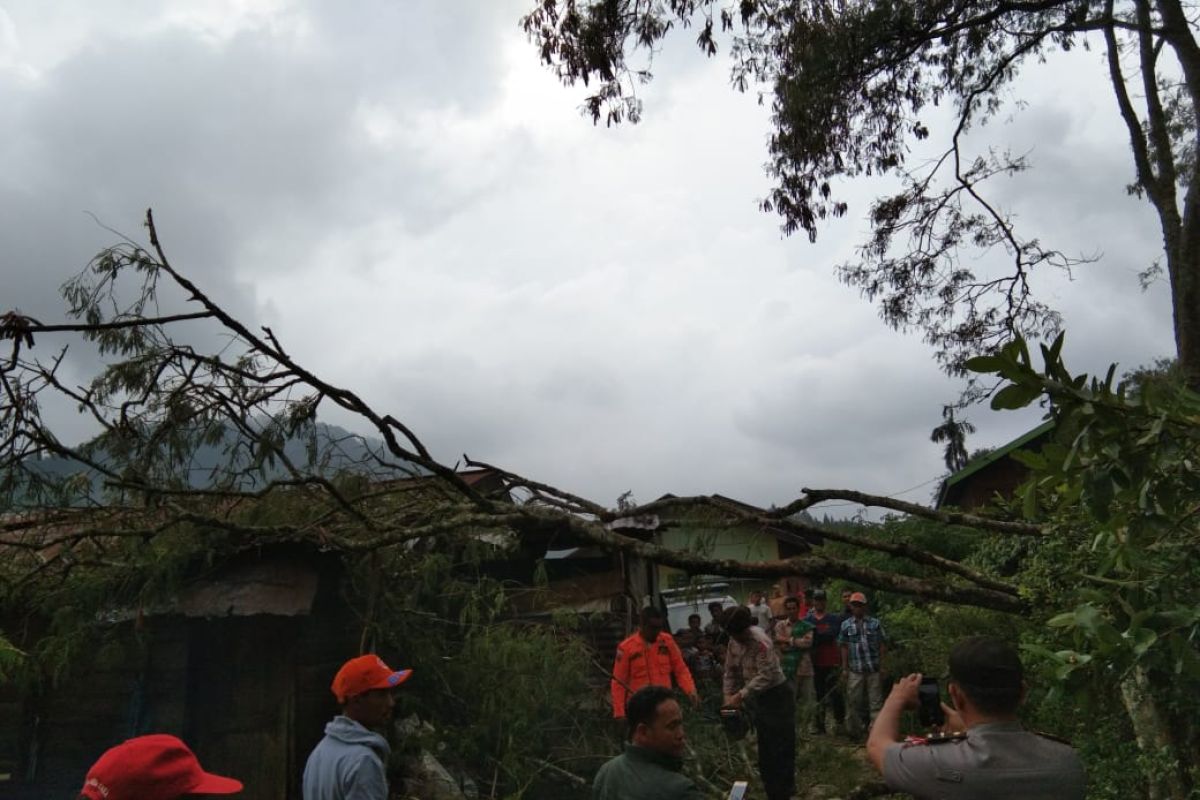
[(640, 663)]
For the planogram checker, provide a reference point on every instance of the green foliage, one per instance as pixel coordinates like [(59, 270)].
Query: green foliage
[(955, 543), (1118, 489), (1117, 492), (1099, 731), (523, 698), (10, 659)]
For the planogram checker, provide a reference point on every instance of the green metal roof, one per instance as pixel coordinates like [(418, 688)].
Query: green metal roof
[(999, 453)]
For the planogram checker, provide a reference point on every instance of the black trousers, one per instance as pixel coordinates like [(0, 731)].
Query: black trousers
[(825, 686), (774, 714)]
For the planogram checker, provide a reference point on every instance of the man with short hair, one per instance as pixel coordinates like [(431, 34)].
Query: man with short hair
[(705, 669), (989, 755), (649, 657), (688, 638), (652, 765), (864, 644), (826, 659), (761, 611), (349, 763), (154, 767), (754, 679)]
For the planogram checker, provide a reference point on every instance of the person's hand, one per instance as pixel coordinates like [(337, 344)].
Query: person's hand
[(954, 720), (905, 691), (733, 701)]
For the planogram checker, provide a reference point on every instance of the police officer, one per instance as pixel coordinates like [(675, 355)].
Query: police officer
[(987, 752), (754, 680)]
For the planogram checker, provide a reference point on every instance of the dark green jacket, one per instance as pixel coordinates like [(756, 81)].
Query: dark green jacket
[(641, 774)]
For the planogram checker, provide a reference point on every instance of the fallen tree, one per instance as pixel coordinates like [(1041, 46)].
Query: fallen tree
[(1104, 533)]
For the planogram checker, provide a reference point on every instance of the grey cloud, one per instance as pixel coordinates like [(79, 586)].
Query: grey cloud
[(601, 309)]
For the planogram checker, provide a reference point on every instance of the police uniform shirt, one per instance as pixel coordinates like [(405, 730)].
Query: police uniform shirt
[(993, 760)]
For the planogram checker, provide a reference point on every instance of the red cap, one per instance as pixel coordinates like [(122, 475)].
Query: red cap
[(858, 597), (363, 674), (155, 767)]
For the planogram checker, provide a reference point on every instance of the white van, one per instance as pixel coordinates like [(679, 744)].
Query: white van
[(694, 600)]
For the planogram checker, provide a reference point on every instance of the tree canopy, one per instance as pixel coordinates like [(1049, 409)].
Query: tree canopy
[(853, 84)]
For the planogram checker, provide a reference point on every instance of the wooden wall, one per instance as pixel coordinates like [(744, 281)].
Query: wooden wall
[(250, 694)]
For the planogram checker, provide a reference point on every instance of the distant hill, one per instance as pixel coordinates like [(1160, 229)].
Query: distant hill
[(336, 451)]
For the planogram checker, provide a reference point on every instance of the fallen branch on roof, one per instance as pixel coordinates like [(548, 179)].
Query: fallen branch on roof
[(158, 401)]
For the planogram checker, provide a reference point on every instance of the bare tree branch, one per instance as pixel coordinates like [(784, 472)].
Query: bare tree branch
[(159, 400)]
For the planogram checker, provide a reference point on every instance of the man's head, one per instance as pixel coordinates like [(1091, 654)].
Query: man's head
[(738, 621), (819, 600), (694, 622), (755, 597), (651, 623), (791, 607), (846, 596), (363, 687), (155, 767), (858, 605), (986, 672), (714, 610), (704, 643), (655, 721), (685, 638)]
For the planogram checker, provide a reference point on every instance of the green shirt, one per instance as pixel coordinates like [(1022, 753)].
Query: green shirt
[(791, 656), (641, 774)]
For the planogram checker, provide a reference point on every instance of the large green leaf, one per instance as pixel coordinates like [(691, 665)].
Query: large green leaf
[(985, 364), (1015, 396), (1143, 640)]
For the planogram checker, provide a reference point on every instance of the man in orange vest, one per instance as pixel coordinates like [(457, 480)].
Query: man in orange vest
[(649, 657)]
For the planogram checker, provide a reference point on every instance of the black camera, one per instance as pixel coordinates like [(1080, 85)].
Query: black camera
[(929, 703)]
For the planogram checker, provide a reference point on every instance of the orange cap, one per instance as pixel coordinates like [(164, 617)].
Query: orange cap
[(858, 597), (363, 674)]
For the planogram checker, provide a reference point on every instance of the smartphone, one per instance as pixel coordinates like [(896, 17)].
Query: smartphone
[(929, 703), (738, 791)]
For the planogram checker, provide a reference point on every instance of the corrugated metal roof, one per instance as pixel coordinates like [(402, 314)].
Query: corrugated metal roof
[(999, 453)]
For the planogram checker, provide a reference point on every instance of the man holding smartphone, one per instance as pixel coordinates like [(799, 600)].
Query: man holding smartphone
[(983, 752)]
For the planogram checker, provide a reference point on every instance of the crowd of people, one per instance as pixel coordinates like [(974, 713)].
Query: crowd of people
[(826, 657), (756, 663), (769, 660)]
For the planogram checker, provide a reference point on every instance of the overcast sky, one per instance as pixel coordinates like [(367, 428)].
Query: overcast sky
[(417, 209)]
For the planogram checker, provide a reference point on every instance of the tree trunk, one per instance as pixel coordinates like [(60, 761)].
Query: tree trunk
[(1186, 301), (1155, 738)]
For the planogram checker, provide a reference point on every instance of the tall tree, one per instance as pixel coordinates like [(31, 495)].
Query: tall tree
[(851, 85), (954, 433)]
